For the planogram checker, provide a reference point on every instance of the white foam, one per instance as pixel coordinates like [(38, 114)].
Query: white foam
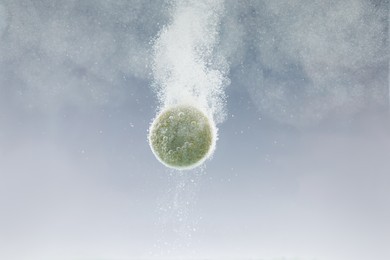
[(186, 68)]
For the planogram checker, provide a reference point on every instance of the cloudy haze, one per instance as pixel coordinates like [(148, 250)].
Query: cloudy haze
[(301, 167)]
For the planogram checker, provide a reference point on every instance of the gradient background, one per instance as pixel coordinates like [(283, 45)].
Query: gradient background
[(302, 164)]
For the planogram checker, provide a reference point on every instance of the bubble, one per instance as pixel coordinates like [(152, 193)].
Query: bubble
[(189, 77), (187, 146)]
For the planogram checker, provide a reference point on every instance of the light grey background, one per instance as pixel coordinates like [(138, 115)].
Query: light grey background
[(302, 162)]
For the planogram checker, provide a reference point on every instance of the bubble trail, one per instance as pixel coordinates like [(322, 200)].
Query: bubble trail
[(189, 78)]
